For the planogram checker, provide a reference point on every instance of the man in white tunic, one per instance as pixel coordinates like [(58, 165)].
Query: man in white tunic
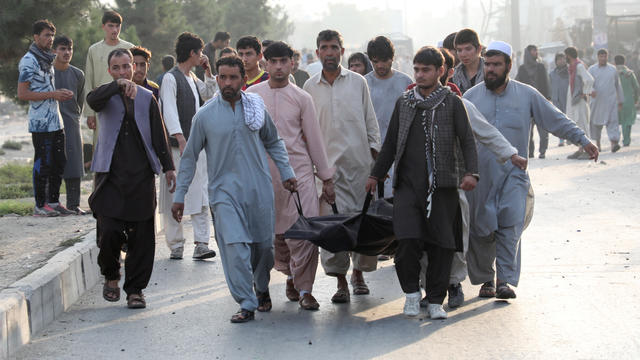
[(502, 203), (580, 84), (236, 133), (352, 138), (607, 98), (181, 96)]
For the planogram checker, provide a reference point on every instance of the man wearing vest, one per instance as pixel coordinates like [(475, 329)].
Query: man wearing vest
[(181, 95), (132, 147)]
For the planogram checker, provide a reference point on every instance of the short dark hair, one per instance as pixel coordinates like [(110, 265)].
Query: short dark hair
[(222, 36), (232, 61), (619, 60), (530, 47), (603, 51), (297, 53), (328, 35), (112, 17), (141, 51), (448, 41), (507, 58), (571, 52), (558, 56), (40, 25), (168, 61), (278, 49), (62, 40), (118, 52), (449, 60), (185, 43), (467, 36), (380, 48), (428, 55), (228, 50), (250, 42), (265, 44)]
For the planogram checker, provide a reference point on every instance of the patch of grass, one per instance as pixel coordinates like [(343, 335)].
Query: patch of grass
[(16, 181), (12, 145), (15, 207), (2, 152), (71, 242)]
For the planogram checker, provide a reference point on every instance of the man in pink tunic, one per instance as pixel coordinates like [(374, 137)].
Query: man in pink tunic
[(294, 115)]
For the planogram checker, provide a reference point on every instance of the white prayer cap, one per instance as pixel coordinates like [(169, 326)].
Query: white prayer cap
[(440, 43), (501, 46)]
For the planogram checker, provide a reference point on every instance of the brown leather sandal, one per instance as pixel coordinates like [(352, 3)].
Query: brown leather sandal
[(242, 316), (136, 301), (110, 294), (291, 292), (308, 302), (264, 301)]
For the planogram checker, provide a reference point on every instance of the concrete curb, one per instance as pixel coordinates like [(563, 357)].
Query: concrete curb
[(31, 303)]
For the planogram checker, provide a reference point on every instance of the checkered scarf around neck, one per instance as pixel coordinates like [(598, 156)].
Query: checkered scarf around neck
[(254, 109), (45, 58), (427, 109)]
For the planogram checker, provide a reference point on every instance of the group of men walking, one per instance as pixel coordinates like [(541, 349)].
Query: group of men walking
[(451, 149)]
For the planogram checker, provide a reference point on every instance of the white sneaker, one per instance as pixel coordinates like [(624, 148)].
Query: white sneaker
[(436, 311), (412, 304), (176, 254), (202, 251)]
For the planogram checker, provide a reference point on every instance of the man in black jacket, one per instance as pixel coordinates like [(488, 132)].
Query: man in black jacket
[(533, 72)]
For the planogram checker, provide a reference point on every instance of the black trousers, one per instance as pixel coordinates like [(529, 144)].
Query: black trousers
[(138, 263), (407, 262), (73, 192), (48, 166), (544, 140)]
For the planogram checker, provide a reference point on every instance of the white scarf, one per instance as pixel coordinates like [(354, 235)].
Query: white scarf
[(254, 108)]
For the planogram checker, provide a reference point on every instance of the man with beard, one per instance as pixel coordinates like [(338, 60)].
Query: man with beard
[(386, 85), (427, 125), (559, 82), (182, 94), (469, 71), (96, 69), (70, 77), (132, 147), (235, 129), (606, 99), (502, 204), (36, 85), (295, 118), (142, 59), (533, 72), (352, 138), (580, 84)]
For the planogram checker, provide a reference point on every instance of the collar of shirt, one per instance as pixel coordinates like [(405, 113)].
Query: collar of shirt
[(343, 72)]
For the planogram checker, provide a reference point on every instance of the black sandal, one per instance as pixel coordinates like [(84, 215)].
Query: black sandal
[(136, 301), (264, 301), (242, 316), (110, 294)]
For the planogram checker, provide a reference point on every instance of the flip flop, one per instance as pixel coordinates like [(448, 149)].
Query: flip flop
[(110, 294)]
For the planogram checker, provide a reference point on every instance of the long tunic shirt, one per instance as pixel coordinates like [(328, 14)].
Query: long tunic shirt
[(606, 84), (96, 69), (631, 89), (240, 188), (295, 118), (73, 79), (579, 112), (500, 199), (349, 129), (127, 191)]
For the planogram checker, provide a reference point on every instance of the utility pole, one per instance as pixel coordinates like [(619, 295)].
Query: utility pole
[(515, 25), (600, 39)]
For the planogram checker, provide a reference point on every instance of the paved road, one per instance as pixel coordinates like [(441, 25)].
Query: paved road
[(578, 298)]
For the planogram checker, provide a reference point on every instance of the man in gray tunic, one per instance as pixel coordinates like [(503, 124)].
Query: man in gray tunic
[(502, 204), (234, 129), (70, 77), (606, 99)]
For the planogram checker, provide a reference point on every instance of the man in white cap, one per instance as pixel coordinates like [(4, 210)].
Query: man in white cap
[(502, 204)]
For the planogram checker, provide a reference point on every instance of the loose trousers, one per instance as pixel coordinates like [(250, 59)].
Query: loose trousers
[(138, 263), (73, 192), (613, 131), (544, 140), (48, 166), (297, 258), (174, 235), (335, 264), (407, 261), (503, 247), (246, 265)]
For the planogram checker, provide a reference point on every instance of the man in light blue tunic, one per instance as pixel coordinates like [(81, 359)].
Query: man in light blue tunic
[(235, 130), (502, 204)]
